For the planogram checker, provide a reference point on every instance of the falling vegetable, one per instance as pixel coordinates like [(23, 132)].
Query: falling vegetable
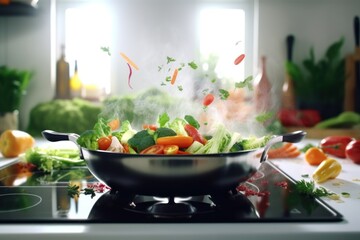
[(208, 99), (129, 78), (328, 169), (174, 76), (129, 61), (239, 59)]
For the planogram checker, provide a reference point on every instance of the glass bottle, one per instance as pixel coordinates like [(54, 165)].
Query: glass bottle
[(75, 83), (62, 77), (262, 88)]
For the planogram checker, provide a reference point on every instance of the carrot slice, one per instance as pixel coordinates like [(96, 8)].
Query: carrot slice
[(174, 76), (178, 140), (288, 150), (129, 61)]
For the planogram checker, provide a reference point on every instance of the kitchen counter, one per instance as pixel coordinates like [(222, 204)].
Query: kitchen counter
[(348, 181)]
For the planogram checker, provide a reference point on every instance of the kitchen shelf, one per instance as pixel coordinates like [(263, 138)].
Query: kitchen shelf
[(17, 9)]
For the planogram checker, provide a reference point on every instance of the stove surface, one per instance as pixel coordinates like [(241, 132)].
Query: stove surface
[(269, 196)]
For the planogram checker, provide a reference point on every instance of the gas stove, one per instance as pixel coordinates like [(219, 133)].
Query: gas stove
[(268, 196)]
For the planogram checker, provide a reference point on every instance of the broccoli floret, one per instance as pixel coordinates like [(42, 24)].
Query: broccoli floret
[(254, 142), (163, 132), (142, 140)]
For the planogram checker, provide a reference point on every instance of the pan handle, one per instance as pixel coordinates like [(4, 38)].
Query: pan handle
[(292, 137), (53, 136)]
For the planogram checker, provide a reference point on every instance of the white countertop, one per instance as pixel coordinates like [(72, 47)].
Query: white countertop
[(348, 181)]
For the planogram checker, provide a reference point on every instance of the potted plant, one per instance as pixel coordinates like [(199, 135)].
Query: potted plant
[(319, 84), (13, 85)]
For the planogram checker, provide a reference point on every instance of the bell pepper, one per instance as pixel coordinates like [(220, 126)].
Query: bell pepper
[(328, 169), (15, 142), (299, 118)]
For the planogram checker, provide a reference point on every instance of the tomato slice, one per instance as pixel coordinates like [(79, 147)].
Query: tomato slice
[(104, 143), (178, 140), (171, 149), (154, 149), (194, 133), (208, 99)]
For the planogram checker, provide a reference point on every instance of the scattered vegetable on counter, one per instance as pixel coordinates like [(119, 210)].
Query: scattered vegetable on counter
[(352, 151), (314, 156), (328, 169), (309, 188), (15, 142), (335, 145), (299, 118), (47, 160), (344, 120), (287, 150)]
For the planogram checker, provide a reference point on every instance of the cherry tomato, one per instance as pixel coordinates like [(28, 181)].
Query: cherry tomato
[(194, 133), (335, 145), (208, 99), (154, 149), (104, 143), (171, 149), (352, 151)]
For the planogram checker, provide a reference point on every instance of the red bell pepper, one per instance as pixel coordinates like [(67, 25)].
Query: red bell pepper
[(299, 118)]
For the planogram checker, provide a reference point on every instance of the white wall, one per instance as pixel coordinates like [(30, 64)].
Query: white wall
[(25, 41)]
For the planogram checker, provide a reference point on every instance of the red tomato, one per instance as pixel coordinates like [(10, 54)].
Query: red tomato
[(335, 145), (104, 143), (352, 151), (302, 118), (239, 59), (150, 126), (171, 149), (154, 149), (208, 99), (194, 133)]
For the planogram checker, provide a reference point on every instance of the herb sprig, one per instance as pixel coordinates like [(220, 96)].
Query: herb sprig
[(308, 188)]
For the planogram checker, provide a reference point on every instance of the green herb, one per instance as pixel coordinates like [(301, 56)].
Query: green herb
[(262, 118), (192, 121), (246, 83), (224, 94), (75, 191), (180, 88), (163, 119), (106, 50), (193, 65), (305, 175), (308, 188), (170, 59), (345, 194)]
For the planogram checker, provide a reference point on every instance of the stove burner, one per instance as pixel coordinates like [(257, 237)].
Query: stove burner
[(13, 202)]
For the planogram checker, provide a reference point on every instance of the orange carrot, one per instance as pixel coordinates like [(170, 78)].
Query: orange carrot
[(129, 61), (174, 76), (114, 124), (288, 150)]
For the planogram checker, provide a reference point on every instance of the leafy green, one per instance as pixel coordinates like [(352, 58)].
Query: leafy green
[(48, 160), (192, 121), (13, 85), (254, 142), (142, 140), (224, 94), (178, 126), (193, 65), (88, 139), (246, 83), (163, 119)]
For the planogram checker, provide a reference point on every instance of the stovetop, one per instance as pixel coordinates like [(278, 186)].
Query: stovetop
[(269, 196)]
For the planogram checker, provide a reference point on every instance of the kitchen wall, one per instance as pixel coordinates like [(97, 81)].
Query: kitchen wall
[(26, 41)]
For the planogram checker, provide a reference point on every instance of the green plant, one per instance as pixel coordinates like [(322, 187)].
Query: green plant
[(320, 81), (13, 84)]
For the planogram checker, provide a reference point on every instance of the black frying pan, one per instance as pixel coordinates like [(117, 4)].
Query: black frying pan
[(173, 175)]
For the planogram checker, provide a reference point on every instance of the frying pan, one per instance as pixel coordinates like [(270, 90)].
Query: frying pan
[(173, 175)]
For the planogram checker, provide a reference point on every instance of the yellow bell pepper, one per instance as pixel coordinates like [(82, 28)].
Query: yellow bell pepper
[(328, 169)]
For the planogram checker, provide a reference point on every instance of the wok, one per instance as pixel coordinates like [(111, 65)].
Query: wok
[(173, 175)]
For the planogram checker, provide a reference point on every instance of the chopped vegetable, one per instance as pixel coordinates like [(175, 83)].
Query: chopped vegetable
[(142, 140), (48, 160), (178, 125), (153, 149), (195, 134), (315, 155), (104, 143), (287, 150), (171, 149), (246, 83), (208, 99), (178, 140), (114, 124), (163, 132), (15, 142), (224, 94), (129, 61), (239, 59), (328, 169), (115, 145), (308, 188), (254, 142), (174, 76), (88, 139), (192, 121)]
